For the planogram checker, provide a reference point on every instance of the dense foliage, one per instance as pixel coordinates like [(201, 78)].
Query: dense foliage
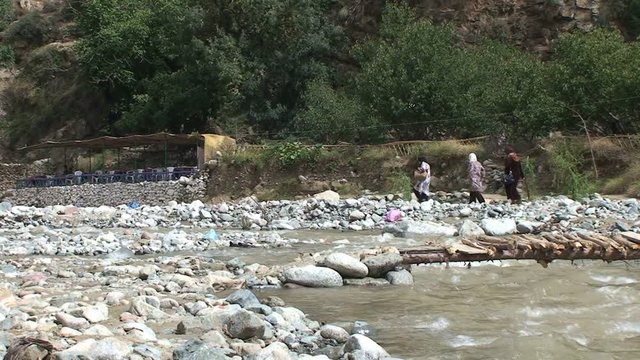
[(285, 69)]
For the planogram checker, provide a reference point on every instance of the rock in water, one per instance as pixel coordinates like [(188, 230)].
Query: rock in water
[(498, 227), (367, 347), (346, 265), (245, 325), (381, 264), (421, 228), (401, 277), (313, 276), (334, 332), (368, 281), (470, 229)]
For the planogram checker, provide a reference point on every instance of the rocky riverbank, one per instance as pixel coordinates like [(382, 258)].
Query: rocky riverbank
[(115, 282), (328, 211), (166, 307)]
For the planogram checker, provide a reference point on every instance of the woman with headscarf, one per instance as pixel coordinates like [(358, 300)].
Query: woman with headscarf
[(512, 174), (422, 177), (476, 175)]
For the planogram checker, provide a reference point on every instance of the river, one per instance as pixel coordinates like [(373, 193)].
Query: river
[(503, 310)]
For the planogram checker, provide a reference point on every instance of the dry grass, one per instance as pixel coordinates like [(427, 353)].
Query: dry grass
[(379, 153), (607, 148), (448, 149), (628, 183)]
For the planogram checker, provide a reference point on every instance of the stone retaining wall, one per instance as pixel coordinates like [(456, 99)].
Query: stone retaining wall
[(9, 174), (146, 193)]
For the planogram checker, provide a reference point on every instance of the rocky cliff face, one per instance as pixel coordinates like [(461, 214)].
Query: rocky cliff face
[(532, 24)]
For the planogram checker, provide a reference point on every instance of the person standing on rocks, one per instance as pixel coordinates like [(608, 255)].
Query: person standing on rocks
[(476, 175), (512, 175), (422, 178)]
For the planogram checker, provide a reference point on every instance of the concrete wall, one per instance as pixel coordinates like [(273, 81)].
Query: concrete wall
[(148, 193)]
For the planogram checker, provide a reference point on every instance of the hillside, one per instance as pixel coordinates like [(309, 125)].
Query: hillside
[(280, 69)]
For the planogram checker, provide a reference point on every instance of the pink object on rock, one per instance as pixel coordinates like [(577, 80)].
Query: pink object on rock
[(393, 215)]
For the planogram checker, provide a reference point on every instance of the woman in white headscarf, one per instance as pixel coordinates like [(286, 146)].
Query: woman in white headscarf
[(476, 175), (422, 179)]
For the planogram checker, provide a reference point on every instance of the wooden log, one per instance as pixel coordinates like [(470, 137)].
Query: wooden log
[(521, 243), (631, 236), (624, 242), (576, 254), (504, 246), (614, 244), (603, 244), (465, 249)]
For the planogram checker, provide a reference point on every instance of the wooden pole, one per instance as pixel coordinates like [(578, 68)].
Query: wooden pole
[(520, 254)]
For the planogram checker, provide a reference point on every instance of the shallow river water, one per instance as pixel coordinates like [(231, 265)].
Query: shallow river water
[(508, 310)]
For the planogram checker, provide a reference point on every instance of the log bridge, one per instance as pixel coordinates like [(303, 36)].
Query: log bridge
[(543, 248)]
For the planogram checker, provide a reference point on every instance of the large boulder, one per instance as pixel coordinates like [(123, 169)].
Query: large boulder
[(198, 350), (470, 229), (420, 228), (275, 351), (147, 306), (379, 265), (346, 265), (526, 227), (335, 333), (366, 347), (109, 348), (208, 319), (400, 277), (498, 227), (313, 276), (327, 196), (244, 298), (245, 325)]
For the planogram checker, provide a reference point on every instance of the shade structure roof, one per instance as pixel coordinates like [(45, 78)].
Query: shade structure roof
[(120, 142)]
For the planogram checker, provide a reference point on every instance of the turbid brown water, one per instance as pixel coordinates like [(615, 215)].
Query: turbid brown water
[(510, 310)]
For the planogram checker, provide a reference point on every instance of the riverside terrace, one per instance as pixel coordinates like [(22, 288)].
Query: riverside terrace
[(113, 176)]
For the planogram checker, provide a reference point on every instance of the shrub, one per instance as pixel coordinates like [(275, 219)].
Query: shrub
[(399, 182), (32, 29), (290, 154), (7, 57), (568, 177), (329, 117)]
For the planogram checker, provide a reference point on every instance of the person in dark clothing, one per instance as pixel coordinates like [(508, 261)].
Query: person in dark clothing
[(512, 174)]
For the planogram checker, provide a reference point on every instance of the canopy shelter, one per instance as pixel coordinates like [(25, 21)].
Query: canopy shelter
[(106, 142), (207, 144)]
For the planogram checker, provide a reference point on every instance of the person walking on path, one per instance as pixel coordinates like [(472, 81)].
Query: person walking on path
[(422, 178), (512, 174), (476, 175)]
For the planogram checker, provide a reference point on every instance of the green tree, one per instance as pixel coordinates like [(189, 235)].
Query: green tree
[(155, 70), (287, 44), (329, 117), (410, 74), (422, 83), (595, 75), (173, 63), (508, 90)]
